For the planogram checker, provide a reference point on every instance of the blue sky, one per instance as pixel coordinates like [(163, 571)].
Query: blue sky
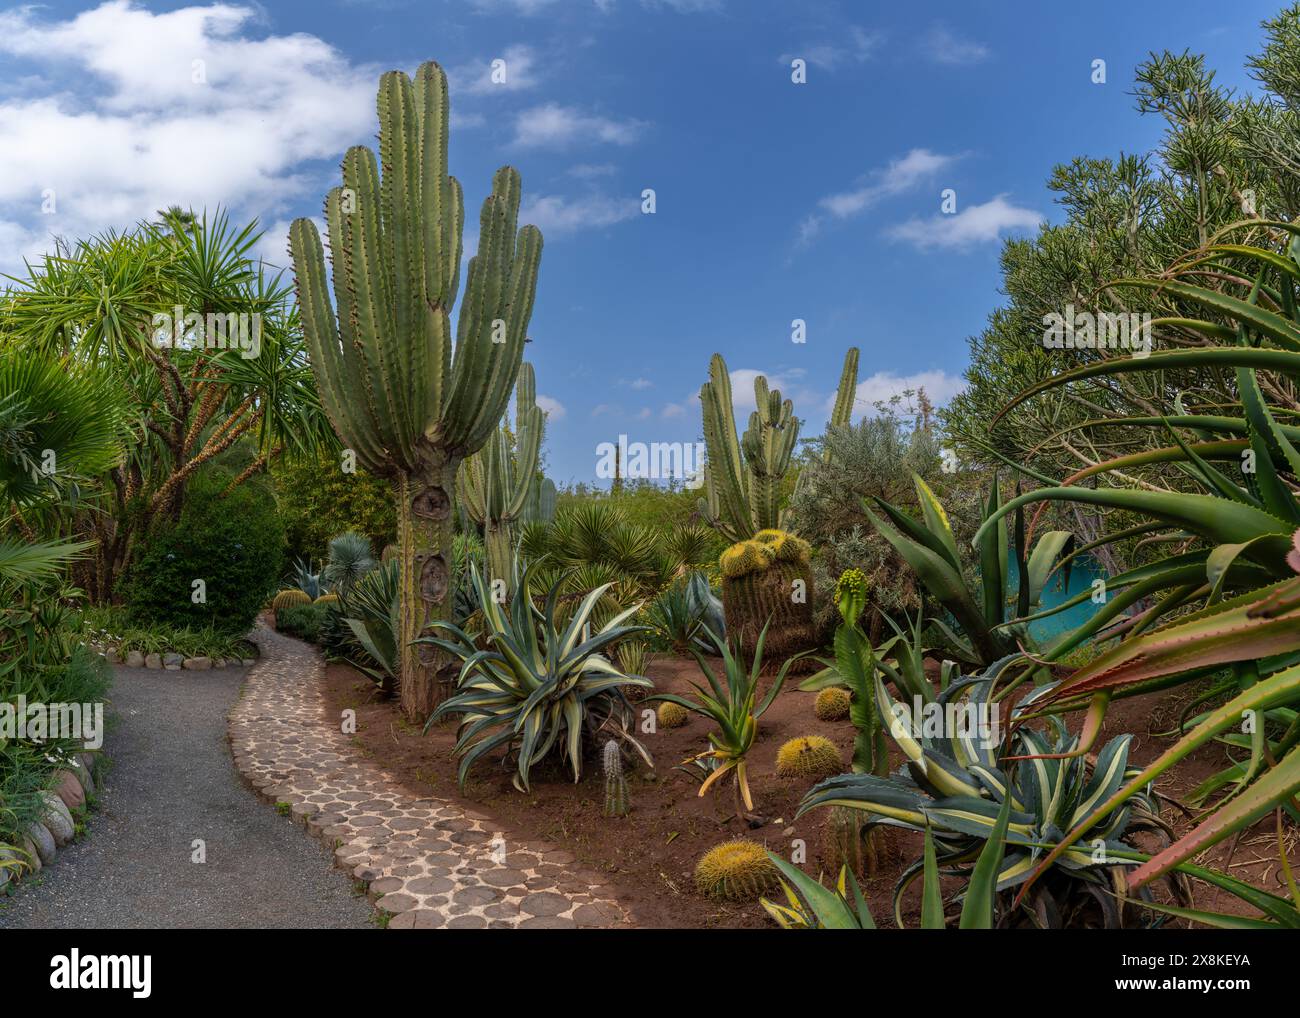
[(775, 201)]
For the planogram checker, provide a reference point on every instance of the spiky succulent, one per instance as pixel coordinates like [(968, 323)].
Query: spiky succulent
[(537, 686), (737, 870), (672, 715), (851, 594), (832, 704), (808, 757), (289, 599)]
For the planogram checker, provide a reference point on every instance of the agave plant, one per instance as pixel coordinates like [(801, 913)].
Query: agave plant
[(810, 906), (306, 578), (371, 612), (954, 784), (537, 685), (730, 703)]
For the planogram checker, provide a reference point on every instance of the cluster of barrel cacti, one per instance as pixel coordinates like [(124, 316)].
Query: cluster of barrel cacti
[(498, 484), (767, 581), (410, 403)]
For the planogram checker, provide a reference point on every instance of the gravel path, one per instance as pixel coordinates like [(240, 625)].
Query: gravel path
[(172, 781)]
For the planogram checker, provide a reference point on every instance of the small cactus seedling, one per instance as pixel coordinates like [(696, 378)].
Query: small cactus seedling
[(832, 704), (736, 871), (616, 804), (810, 757)]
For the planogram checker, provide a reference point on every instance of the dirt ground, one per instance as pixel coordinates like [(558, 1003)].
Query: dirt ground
[(650, 854)]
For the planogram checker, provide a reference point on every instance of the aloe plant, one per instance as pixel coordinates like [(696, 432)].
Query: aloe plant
[(930, 549), (732, 704), (397, 396), (498, 484)]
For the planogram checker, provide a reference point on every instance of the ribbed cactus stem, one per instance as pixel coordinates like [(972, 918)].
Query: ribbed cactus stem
[(410, 407), (744, 474), (498, 485), (616, 804)]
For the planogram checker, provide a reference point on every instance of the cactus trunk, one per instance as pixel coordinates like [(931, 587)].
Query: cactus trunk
[(424, 535)]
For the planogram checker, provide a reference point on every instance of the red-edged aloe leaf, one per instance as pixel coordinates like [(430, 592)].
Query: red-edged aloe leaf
[(1285, 361), (1272, 787), (1271, 324), (1276, 689), (1232, 631)]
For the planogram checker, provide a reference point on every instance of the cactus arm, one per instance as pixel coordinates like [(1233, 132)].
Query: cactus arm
[(369, 286), (333, 362), (846, 393), (725, 478)]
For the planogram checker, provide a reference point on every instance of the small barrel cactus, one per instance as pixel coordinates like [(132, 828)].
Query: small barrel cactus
[(327, 599), (832, 704), (851, 594), (672, 715), (736, 871), (615, 782), (289, 599), (810, 757)]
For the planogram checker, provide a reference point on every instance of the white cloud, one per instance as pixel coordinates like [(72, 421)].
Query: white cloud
[(590, 171), (974, 224), (942, 46), (555, 126), (518, 73), (604, 410), (129, 130), (556, 214), (856, 47), (552, 407), (900, 176), (939, 386), (640, 384)]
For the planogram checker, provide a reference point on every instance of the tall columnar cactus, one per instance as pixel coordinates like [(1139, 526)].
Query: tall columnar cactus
[(743, 475), (382, 353), (497, 486), (541, 502)]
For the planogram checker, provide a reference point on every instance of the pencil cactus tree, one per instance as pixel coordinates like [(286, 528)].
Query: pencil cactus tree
[(497, 483), (401, 400)]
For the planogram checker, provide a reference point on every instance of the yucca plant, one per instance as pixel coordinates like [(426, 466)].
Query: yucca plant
[(370, 612), (955, 784), (732, 704), (535, 685)]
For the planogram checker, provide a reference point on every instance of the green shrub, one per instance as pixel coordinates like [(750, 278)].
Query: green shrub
[(318, 501), (304, 621), (233, 542)]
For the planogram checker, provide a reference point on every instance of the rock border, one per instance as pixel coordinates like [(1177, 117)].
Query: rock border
[(41, 840), (171, 662), (426, 863)]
